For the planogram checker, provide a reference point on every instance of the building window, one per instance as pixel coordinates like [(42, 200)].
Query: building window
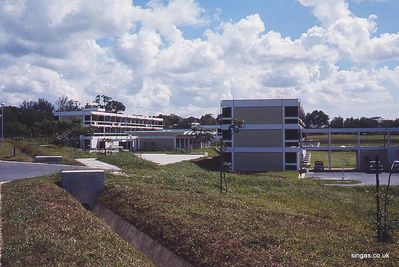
[(291, 134), (290, 157), (291, 111), (226, 112), (226, 121), (295, 121), (87, 117), (292, 144)]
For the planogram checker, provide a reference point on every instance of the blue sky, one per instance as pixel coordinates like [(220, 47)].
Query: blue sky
[(289, 17), (183, 56)]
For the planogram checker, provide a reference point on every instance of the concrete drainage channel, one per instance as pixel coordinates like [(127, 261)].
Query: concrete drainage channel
[(85, 186)]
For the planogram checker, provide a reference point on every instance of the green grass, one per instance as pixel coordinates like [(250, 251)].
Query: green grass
[(44, 226), (19, 155), (349, 159), (27, 150), (350, 140), (264, 219)]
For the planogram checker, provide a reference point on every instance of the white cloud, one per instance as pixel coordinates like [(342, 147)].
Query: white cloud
[(52, 48)]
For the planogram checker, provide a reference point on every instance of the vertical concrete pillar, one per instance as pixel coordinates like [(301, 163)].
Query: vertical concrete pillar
[(329, 150)]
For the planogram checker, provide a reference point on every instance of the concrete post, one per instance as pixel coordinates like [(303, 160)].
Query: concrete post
[(329, 150)]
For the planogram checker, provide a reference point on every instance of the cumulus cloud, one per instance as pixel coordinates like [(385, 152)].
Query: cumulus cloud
[(139, 55)]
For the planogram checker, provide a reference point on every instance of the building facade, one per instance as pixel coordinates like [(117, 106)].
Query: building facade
[(110, 129), (172, 140), (103, 122), (271, 136)]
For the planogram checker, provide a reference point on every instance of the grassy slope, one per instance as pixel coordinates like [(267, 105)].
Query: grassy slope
[(43, 226), (32, 149), (264, 219), (336, 159), (19, 155)]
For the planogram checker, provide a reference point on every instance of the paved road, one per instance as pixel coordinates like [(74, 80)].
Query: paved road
[(18, 170), (164, 159), (93, 163), (364, 178)]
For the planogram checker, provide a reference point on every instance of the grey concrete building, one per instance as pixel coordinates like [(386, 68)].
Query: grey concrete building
[(171, 140), (270, 139)]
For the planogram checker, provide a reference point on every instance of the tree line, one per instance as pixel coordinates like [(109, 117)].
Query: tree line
[(35, 119), (173, 121), (319, 119)]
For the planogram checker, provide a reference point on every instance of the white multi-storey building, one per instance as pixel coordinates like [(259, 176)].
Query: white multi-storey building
[(109, 129)]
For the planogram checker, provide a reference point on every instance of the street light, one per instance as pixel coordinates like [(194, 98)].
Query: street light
[(2, 129), (342, 149)]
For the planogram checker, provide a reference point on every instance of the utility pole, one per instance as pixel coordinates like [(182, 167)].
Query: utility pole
[(378, 199)]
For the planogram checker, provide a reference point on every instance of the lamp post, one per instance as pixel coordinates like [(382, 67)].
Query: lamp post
[(2, 129), (342, 149)]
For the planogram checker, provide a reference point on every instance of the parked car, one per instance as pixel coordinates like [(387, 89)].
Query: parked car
[(372, 167), (395, 166), (318, 166)]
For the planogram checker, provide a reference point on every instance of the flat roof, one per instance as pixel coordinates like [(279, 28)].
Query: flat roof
[(351, 130), (260, 102), (96, 112)]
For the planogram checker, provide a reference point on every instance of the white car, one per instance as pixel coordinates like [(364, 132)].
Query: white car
[(395, 166)]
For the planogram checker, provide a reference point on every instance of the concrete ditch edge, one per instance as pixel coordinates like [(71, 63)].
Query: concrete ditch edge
[(157, 253)]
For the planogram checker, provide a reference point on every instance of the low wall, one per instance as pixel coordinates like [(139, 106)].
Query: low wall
[(84, 185), (45, 159), (151, 248)]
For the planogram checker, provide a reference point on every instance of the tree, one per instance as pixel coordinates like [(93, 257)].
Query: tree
[(102, 100), (208, 119), (68, 133), (42, 105), (337, 122), (171, 121), (32, 112), (106, 102), (363, 122), (317, 119), (115, 106), (63, 103)]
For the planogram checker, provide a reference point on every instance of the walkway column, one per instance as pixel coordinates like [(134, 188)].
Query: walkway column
[(329, 150)]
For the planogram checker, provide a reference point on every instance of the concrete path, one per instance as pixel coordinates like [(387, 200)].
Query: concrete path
[(10, 170), (96, 164), (164, 159), (362, 177)]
